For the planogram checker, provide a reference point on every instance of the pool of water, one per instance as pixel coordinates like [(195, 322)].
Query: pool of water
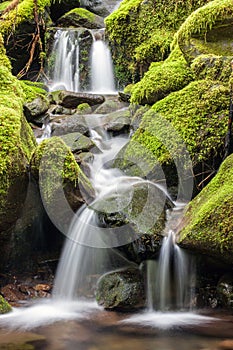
[(83, 325)]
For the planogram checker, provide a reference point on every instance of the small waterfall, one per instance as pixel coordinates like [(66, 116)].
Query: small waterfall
[(69, 70), (66, 65), (169, 281), (102, 76)]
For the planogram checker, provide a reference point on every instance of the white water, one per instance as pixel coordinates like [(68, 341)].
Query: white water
[(66, 65), (102, 76), (66, 73)]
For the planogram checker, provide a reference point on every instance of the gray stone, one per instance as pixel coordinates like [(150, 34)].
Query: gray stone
[(36, 108), (73, 99), (68, 124), (122, 289)]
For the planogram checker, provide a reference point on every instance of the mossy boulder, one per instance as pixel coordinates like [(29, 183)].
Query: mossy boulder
[(212, 67), (192, 120), (140, 32), (208, 30), (80, 17), (121, 290), (63, 186), (17, 144), (4, 306), (162, 78), (207, 226)]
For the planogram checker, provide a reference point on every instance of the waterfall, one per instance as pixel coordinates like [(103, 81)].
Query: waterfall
[(66, 64), (68, 67), (102, 76), (169, 281)]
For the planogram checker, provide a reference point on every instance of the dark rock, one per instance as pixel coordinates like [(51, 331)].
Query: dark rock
[(59, 8), (225, 291), (68, 124), (78, 142), (73, 99), (118, 121), (36, 108), (121, 290), (79, 17), (124, 97), (110, 105)]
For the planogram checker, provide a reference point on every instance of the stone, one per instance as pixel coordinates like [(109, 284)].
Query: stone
[(225, 290), (121, 290), (63, 125), (118, 121), (73, 99), (80, 17), (78, 142), (35, 108), (110, 105)]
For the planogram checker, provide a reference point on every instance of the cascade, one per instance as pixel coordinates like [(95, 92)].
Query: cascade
[(68, 63), (102, 78)]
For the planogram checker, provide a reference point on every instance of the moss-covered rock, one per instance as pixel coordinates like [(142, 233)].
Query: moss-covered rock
[(17, 143), (63, 185), (207, 226), (162, 78), (212, 67), (197, 115), (208, 30), (122, 290), (80, 17), (140, 32), (4, 306)]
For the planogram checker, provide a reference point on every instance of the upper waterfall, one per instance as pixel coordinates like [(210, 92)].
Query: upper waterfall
[(81, 63)]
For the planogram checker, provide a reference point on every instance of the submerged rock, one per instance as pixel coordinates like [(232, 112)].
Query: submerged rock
[(121, 290)]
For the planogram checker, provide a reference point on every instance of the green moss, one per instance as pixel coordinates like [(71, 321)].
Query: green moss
[(32, 90), (84, 108), (4, 306), (81, 13), (4, 5), (202, 23), (208, 218), (212, 67), (23, 13), (4, 61), (140, 32), (161, 79), (196, 114), (61, 167), (16, 137)]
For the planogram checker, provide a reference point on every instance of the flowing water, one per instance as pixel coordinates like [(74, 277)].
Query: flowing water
[(66, 73), (102, 78)]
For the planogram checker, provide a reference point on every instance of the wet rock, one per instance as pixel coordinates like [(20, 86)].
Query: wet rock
[(36, 108), (12, 293), (225, 291), (57, 109), (78, 142), (73, 99), (138, 216), (110, 105), (80, 17), (63, 125), (118, 121), (124, 97), (121, 290)]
